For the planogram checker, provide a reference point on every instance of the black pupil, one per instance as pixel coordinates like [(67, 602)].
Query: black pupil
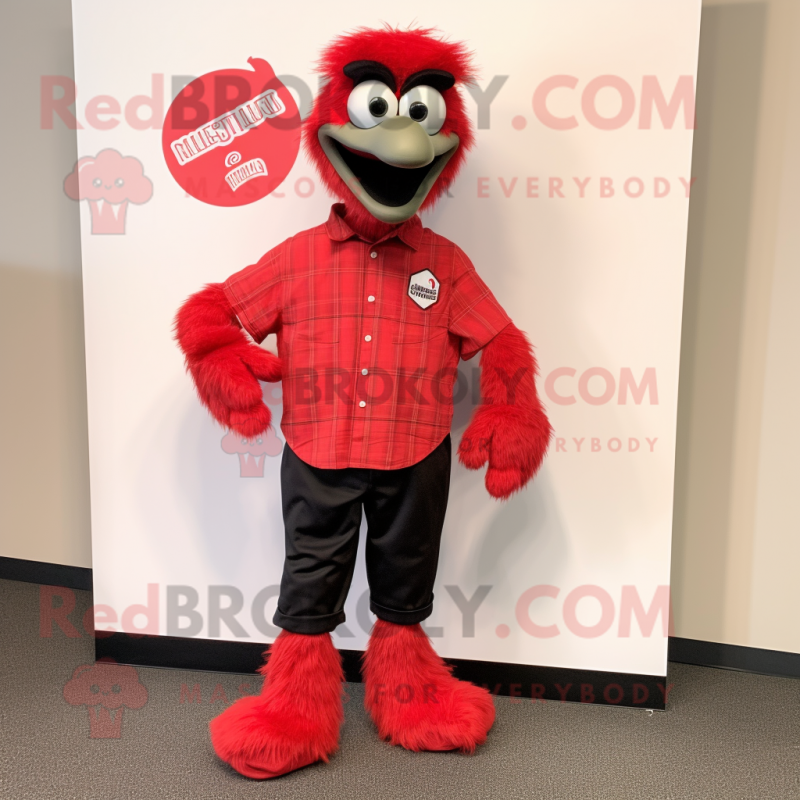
[(418, 111), (378, 106)]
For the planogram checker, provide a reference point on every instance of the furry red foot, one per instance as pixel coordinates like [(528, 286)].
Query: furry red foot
[(414, 700), (295, 720)]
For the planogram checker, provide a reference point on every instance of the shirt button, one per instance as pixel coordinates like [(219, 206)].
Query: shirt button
[(373, 254), (367, 338), (371, 298), (365, 371), (361, 404)]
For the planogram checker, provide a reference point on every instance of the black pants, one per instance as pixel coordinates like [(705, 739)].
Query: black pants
[(405, 511)]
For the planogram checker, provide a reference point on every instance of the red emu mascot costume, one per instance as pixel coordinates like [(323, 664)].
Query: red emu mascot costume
[(372, 313)]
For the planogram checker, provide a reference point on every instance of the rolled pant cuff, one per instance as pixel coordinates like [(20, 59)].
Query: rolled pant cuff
[(401, 617), (324, 623)]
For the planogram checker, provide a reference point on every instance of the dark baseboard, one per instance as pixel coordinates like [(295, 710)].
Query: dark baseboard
[(20, 569), (731, 656), (217, 655), (509, 680)]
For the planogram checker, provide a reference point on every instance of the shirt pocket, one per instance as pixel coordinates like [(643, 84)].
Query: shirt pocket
[(410, 333), (302, 339)]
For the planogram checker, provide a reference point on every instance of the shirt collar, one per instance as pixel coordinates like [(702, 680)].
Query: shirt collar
[(410, 232)]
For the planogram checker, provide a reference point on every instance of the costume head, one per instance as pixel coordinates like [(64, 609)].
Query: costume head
[(389, 125)]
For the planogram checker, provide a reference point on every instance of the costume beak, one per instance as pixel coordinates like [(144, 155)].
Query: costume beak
[(399, 141), (390, 167)]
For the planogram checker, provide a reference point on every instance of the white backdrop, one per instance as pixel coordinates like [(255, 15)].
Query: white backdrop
[(593, 273)]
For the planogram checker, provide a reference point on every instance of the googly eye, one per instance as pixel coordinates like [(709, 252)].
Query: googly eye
[(370, 103), (426, 106)]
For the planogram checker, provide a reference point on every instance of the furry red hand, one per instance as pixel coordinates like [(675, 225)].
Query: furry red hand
[(510, 430), (225, 366), (512, 440), (227, 381)]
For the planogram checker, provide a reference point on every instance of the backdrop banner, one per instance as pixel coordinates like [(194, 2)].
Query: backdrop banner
[(572, 206)]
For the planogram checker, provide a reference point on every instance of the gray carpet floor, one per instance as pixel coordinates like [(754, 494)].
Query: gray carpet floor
[(724, 735)]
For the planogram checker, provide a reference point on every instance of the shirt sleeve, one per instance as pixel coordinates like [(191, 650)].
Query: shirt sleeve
[(475, 315), (256, 294)]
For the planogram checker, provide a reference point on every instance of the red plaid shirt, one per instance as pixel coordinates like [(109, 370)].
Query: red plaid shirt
[(369, 335)]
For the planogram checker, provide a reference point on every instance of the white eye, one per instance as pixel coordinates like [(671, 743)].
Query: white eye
[(425, 105), (370, 103)]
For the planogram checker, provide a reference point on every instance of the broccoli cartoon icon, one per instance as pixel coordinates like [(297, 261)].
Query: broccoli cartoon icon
[(108, 181), (252, 452), (106, 689)]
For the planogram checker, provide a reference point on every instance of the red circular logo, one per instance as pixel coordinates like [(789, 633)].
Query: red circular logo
[(231, 137)]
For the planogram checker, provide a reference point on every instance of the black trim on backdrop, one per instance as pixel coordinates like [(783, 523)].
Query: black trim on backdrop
[(20, 569), (731, 656), (196, 655), (509, 680)]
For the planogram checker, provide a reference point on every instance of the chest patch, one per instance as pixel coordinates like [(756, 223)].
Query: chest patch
[(423, 288)]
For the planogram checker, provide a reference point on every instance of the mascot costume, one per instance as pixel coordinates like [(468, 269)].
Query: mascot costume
[(372, 312)]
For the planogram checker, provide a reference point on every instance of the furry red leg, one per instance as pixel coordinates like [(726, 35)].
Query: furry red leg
[(295, 720), (414, 700)]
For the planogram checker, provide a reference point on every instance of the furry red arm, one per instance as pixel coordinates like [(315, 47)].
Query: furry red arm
[(510, 429), (225, 365)]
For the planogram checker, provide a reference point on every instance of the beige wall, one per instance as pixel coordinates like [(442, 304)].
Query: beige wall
[(736, 539), (737, 536), (44, 481)]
